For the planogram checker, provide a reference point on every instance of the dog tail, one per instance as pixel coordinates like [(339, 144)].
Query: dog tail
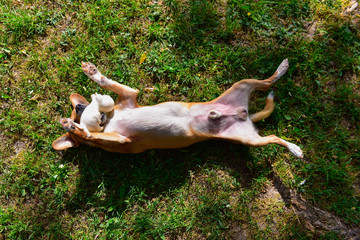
[(266, 112)]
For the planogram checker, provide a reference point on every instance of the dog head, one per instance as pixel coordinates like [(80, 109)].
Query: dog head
[(76, 135), (69, 139)]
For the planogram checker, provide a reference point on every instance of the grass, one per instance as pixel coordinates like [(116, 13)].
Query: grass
[(189, 51)]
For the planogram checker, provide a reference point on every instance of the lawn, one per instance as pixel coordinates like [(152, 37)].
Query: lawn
[(187, 51)]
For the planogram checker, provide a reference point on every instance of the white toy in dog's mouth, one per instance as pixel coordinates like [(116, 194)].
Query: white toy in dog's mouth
[(79, 108)]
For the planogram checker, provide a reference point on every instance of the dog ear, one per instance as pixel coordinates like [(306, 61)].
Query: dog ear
[(77, 99), (64, 142)]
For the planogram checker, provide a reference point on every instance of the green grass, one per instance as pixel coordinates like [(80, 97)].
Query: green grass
[(194, 51)]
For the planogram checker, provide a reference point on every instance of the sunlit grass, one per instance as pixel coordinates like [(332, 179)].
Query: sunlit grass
[(188, 51)]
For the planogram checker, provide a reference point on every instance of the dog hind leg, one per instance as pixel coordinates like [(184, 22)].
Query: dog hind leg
[(238, 94), (258, 141), (266, 112), (244, 132)]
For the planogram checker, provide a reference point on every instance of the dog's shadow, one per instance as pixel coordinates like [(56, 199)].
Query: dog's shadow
[(113, 179)]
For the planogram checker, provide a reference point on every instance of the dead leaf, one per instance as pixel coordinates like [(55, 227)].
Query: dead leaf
[(142, 58)]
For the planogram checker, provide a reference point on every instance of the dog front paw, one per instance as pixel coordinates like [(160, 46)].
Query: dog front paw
[(89, 68), (123, 140), (93, 73), (67, 124)]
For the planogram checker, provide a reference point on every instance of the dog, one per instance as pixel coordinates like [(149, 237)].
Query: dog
[(131, 128)]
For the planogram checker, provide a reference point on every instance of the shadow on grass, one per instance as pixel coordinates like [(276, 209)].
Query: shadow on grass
[(113, 180)]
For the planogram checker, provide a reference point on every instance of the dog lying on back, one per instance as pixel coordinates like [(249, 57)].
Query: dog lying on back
[(131, 128)]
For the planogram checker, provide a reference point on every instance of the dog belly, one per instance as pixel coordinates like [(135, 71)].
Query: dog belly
[(163, 121), (216, 120)]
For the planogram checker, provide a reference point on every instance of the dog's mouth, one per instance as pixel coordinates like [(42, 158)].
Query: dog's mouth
[(79, 108)]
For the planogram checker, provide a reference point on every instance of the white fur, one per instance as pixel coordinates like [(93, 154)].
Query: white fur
[(294, 149), (271, 95), (160, 121), (281, 70)]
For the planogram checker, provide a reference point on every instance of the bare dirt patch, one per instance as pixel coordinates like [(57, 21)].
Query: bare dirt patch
[(314, 219), (19, 146), (270, 212)]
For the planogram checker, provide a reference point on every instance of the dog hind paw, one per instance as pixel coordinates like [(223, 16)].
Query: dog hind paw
[(281, 70), (295, 150)]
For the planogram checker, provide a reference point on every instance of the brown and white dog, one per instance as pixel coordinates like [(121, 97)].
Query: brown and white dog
[(131, 128)]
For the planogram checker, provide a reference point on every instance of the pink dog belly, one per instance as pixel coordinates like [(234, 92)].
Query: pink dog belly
[(226, 116)]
